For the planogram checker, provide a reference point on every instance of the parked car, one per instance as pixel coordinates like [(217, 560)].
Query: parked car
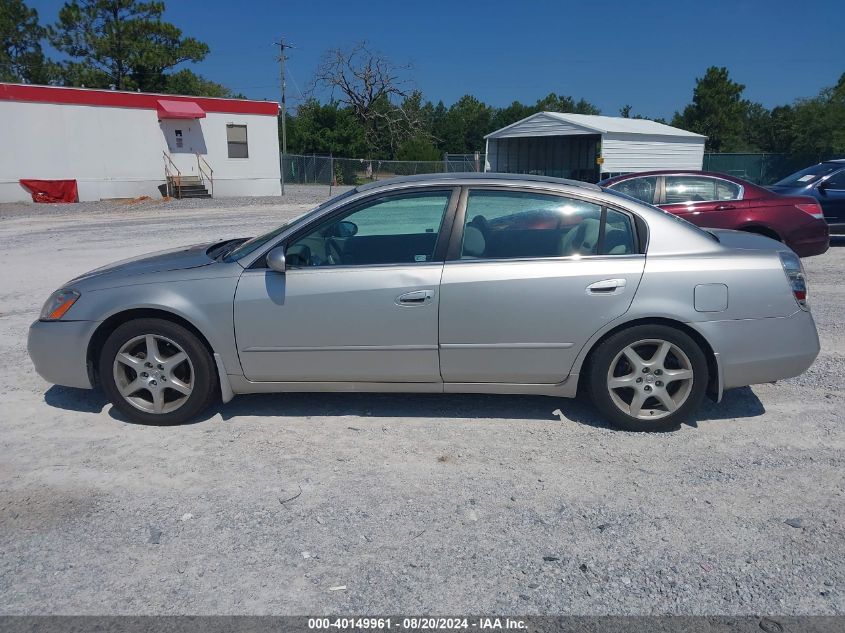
[(718, 201), (399, 286), (826, 183)]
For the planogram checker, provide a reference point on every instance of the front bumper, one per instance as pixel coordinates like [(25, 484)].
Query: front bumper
[(753, 351), (59, 350)]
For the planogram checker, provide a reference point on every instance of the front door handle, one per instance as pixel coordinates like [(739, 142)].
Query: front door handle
[(415, 298), (607, 287)]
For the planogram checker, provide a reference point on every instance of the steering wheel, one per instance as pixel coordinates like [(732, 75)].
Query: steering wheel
[(334, 253)]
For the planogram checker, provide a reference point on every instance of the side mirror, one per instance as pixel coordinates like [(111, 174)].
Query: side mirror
[(822, 186), (276, 259), (344, 228)]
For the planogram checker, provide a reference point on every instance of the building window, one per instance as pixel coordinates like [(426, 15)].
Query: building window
[(236, 140)]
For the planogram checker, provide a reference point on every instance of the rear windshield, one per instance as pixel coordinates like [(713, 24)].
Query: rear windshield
[(808, 176)]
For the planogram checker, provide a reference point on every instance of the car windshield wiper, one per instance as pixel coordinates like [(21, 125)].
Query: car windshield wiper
[(221, 249)]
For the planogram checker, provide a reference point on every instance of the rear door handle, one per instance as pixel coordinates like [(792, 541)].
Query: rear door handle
[(415, 298), (607, 287), (724, 207)]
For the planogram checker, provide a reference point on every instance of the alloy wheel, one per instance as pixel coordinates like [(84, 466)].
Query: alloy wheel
[(153, 374), (650, 379)]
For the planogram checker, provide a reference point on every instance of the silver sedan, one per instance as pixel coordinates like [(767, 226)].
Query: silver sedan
[(442, 284)]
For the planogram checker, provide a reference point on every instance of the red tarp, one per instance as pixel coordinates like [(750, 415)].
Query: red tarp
[(170, 109), (52, 190)]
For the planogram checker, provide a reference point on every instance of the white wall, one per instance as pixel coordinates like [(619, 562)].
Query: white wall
[(117, 152), (629, 153)]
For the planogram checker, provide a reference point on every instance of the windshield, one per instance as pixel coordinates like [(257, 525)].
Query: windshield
[(252, 245), (808, 176)]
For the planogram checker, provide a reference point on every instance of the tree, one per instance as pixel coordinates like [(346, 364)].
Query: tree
[(325, 129), (818, 124), (373, 88), (562, 103), (21, 57), (187, 82), (717, 111), (121, 43), (466, 123)]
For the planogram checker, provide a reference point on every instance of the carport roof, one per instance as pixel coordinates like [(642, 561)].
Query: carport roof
[(564, 124)]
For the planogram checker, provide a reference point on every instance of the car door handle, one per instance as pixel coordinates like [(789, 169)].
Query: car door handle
[(415, 298), (723, 207), (607, 287)]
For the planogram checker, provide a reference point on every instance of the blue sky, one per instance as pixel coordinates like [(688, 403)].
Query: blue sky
[(645, 53)]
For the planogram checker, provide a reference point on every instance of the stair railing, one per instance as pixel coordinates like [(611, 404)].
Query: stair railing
[(171, 177), (207, 173)]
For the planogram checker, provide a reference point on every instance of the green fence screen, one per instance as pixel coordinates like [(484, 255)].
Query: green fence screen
[(762, 169)]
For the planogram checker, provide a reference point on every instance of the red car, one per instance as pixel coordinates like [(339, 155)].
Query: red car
[(718, 201)]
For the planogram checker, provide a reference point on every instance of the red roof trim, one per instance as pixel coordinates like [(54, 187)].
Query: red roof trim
[(119, 99)]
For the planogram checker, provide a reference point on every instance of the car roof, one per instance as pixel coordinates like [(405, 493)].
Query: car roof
[(473, 177), (669, 172)]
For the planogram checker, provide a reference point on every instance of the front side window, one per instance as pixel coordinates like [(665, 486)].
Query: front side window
[(836, 181), (236, 141), (508, 225), (640, 188), (398, 229), (681, 189)]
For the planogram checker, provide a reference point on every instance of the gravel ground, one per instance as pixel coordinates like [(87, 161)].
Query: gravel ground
[(293, 504)]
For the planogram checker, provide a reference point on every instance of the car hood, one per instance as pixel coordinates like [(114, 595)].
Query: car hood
[(747, 241), (182, 258)]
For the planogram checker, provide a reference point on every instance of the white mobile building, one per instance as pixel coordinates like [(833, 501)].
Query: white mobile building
[(116, 144), (589, 147)]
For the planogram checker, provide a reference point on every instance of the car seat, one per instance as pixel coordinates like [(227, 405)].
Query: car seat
[(582, 240)]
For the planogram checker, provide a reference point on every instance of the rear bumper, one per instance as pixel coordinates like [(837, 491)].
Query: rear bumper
[(753, 351), (59, 350), (811, 239)]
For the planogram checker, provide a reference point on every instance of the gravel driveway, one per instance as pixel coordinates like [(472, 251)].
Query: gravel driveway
[(324, 503)]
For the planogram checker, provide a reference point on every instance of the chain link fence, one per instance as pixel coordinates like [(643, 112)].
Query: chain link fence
[(761, 169), (329, 170)]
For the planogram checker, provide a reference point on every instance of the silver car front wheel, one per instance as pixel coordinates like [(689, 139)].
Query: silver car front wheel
[(153, 374), (157, 372)]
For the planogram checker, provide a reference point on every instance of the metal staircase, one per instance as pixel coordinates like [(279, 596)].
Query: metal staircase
[(181, 186)]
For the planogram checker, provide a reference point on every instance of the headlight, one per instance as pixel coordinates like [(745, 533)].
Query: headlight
[(58, 304)]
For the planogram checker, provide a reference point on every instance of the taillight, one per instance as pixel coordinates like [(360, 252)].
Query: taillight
[(795, 275), (812, 208)]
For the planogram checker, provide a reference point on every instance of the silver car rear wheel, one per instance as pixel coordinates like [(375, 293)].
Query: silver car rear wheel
[(153, 374), (650, 379)]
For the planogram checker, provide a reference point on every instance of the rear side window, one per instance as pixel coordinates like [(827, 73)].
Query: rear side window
[(639, 188), (699, 189), (510, 225)]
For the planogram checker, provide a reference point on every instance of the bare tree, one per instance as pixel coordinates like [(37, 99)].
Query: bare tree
[(374, 88)]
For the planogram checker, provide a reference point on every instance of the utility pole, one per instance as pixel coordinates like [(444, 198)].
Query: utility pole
[(282, 46)]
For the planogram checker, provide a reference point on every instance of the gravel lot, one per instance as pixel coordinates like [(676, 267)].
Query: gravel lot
[(293, 504)]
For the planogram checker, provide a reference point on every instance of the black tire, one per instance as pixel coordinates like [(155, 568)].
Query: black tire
[(605, 354), (203, 372)]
